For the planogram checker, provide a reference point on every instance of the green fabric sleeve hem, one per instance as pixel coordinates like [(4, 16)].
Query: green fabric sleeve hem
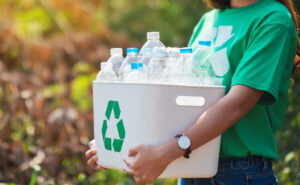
[(270, 96)]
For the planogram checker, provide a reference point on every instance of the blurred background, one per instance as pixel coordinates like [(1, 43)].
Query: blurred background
[(50, 52)]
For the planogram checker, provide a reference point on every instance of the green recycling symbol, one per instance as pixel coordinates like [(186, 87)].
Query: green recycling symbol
[(116, 143)]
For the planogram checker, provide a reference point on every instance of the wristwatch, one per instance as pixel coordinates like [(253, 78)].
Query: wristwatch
[(184, 143)]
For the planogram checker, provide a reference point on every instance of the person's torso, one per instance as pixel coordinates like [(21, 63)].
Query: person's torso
[(230, 31)]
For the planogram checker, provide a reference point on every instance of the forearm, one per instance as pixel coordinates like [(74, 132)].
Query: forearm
[(215, 120)]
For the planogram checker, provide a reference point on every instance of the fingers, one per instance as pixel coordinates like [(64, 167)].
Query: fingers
[(98, 167), (128, 162), (149, 180), (129, 171), (133, 169), (92, 161), (92, 143), (138, 179), (90, 153), (144, 179), (133, 151)]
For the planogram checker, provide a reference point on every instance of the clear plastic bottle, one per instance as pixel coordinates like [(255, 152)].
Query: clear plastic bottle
[(146, 51), (167, 75), (190, 75), (173, 55), (157, 65), (143, 72), (125, 66), (106, 73), (203, 66), (137, 74), (183, 71), (116, 58)]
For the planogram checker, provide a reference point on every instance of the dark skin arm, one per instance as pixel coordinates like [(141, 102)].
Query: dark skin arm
[(150, 161)]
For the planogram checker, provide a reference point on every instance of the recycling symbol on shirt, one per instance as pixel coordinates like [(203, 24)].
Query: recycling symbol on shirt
[(219, 58), (113, 143)]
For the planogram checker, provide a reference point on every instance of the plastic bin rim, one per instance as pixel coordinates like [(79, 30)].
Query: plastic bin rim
[(159, 84)]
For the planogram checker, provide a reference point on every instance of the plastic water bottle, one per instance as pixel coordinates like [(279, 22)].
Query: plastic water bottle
[(190, 75), (183, 71), (167, 74), (125, 67), (106, 73), (137, 74), (143, 72), (157, 65), (116, 58), (203, 66), (173, 55), (146, 50)]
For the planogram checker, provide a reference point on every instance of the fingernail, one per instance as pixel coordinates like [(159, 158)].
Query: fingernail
[(98, 167)]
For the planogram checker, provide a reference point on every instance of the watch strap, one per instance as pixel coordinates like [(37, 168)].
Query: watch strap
[(187, 151), (178, 136)]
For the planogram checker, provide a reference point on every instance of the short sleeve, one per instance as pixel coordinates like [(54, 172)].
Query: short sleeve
[(267, 58)]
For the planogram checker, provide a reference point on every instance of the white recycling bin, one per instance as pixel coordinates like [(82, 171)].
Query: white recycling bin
[(129, 114)]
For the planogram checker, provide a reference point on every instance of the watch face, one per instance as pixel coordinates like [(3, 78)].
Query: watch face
[(184, 142)]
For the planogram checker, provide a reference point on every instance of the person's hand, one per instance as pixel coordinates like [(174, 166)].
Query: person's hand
[(92, 157), (145, 163)]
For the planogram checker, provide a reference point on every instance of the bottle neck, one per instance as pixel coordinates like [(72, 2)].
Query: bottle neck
[(132, 54), (116, 55), (134, 70), (203, 46), (174, 56), (158, 58), (153, 39), (107, 69), (186, 54)]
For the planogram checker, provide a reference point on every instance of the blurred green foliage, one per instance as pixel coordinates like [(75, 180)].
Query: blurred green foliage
[(45, 93), (32, 22), (288, 139), (80, 86), (173, 18)]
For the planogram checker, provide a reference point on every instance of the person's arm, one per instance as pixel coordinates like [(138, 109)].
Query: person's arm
[(150, 161), (219, 117)]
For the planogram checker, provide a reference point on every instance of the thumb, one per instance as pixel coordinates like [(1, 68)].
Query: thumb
[(133, 151), (92, 143)]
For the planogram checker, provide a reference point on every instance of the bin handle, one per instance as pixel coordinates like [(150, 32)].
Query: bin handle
[(190, 101)]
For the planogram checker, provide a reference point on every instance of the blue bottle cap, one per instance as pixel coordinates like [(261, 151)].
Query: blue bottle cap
[(140, 65), (186, 50), (134, 65), (204, 43), (132, 50)]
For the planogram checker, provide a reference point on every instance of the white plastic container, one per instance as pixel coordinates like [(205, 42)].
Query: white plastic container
[(153, 114)]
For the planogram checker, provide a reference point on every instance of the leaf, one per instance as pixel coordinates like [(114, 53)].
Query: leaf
[(289, 157), (33, 178), (53, 90), (79, 91), (82, 67), (32, 23)]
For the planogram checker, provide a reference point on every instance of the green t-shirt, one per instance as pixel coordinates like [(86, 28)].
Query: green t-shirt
[(253, 46)]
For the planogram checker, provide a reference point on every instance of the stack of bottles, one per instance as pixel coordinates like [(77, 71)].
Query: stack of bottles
[(155, 63)]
